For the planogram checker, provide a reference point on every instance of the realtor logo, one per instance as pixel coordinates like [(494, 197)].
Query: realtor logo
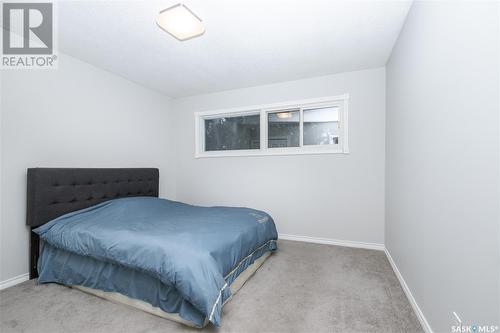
[(28, 35)]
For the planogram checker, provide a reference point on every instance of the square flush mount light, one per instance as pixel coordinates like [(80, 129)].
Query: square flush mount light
[(180, 22)]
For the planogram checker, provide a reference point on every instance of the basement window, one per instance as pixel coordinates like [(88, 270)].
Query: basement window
[(315, 126), (232, 132)]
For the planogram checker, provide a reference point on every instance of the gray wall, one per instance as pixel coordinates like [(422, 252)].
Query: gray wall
[(74, 116), (81, 116), (442, 226), (332, 196)]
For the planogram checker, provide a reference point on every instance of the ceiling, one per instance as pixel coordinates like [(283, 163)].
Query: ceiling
[(246, 43)]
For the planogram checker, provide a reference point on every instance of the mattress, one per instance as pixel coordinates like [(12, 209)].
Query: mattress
[(180, 258)]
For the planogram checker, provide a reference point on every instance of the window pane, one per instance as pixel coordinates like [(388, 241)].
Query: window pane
[(321, 126), (283, 129), (232, 133)]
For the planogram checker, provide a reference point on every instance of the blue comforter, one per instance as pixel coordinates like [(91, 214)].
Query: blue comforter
[(194, 249)]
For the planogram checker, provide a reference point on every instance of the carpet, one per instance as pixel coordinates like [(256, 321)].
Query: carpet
[(303, 287)]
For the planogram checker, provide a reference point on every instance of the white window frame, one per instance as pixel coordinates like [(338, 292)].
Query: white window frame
[(342, 147)]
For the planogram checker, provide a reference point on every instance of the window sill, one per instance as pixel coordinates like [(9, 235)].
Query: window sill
[(269, 152)]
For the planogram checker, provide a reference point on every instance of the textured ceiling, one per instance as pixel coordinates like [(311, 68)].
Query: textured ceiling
[(247, 42)]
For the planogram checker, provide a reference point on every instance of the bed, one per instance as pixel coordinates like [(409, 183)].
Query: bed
[(106, 232)]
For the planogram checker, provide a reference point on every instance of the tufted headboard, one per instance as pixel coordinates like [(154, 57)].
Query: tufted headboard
[(53, 192)]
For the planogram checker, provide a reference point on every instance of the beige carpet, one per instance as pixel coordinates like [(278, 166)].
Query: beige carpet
[(301, 288)]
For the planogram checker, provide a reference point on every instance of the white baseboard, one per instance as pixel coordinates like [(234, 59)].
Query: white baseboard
[(338, 242), (13, 281), (420, 315)]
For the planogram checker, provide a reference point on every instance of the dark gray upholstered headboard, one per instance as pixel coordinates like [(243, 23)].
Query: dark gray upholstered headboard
[(53, 192)]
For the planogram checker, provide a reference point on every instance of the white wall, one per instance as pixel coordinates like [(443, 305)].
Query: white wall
[(331, 196), (442, 189), (75, 116)]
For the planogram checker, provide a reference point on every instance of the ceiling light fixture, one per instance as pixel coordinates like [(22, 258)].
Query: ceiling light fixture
[(180, 22)]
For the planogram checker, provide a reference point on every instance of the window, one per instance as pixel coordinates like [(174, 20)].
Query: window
[(313, 126), (283, 129), (232, 133), (321, 126)]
